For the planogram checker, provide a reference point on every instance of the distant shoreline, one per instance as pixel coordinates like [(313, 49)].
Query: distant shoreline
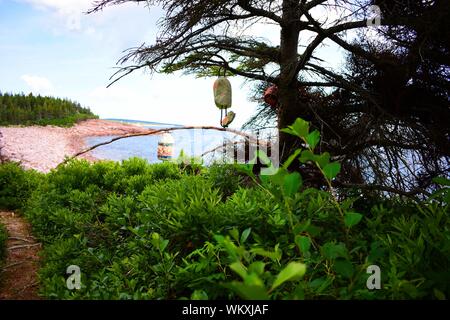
[(44, 147), (142, 123)]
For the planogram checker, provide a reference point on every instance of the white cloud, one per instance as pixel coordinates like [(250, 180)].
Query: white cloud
[(69, 11), (38, 84), (117, 27), (61, 4)]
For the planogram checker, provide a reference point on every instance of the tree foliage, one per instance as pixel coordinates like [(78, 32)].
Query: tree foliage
[(16, 109)]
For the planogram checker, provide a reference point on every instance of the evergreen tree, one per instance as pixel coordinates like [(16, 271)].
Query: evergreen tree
[(28, 109)]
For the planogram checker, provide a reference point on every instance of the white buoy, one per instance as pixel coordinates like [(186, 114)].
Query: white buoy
[(222, 93), (165, 147)]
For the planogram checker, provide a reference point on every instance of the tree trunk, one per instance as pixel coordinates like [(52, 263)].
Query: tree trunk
[(288, 93)]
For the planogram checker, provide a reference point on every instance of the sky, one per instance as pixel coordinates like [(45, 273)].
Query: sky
[(51, 47)]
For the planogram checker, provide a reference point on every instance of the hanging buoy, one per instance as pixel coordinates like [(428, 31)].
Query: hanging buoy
[(271, 96), (165, 147), (223, 100), (228, 119), (222, 93)]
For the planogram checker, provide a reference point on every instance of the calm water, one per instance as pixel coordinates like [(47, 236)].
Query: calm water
[(192, 142)]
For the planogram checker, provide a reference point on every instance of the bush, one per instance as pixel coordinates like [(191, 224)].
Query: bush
[(141, 231), (68, 121), (417, 246), (16, 185), (226, 178)]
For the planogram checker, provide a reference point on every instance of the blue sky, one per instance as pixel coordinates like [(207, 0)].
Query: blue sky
[(51, 47)]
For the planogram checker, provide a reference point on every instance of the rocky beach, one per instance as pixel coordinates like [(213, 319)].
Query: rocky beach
[(44, 147)]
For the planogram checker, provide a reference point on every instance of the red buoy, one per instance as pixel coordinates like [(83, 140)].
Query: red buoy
[(271, 96)]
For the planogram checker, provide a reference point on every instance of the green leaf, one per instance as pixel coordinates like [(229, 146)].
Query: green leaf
[(314, 230), (234, 233), (257, 267), (291, 158), (278, 178), (306, 156), (246, 168), (439, 294), (249, 292), (289, 130), (352, 219), (331, 250), (323, 159), (344, 268), (239, 268), (313, 139), (155, 236), (273, 255), (303, 243), (301, 227), (376, 252), (442, 181), (245, 235), (265, 179), (292, 183), (163, 244), (320, 284), (199, 295), (253, 279), (293, 271), (229, 246), (331, 170), (301, 127)]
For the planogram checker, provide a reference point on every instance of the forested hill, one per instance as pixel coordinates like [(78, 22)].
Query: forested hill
[(21, 109)]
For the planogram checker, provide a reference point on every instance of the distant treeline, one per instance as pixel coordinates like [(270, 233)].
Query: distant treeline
[(21, 109)]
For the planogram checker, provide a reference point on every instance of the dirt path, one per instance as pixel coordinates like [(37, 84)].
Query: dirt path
[(18, 278)]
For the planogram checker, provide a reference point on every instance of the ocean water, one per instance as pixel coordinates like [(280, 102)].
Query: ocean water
[(193, 142)]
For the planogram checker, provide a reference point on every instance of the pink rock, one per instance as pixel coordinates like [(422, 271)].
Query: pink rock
[(43, 148)]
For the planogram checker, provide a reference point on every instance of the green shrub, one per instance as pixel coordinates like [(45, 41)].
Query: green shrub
[(225, 177), (417, 247), (161, 231), (16, 185)]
